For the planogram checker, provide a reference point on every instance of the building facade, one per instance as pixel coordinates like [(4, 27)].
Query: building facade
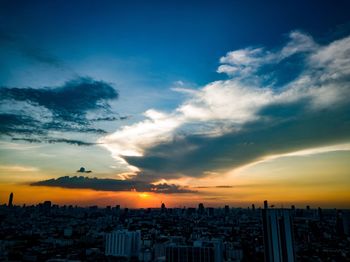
[(278, 235), (123, 243)]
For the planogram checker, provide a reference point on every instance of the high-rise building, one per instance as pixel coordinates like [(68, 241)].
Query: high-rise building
[(278, 235), (123, 243), (346, 222), (10, 204), (189, 254), (201, 209), (163, 208), (227, 210)]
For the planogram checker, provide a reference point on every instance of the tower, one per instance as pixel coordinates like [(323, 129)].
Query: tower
[(278, 235), (163, 208), (10, 204), (201, 209)]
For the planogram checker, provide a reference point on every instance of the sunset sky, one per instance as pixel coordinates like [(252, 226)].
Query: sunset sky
[(142, 102)]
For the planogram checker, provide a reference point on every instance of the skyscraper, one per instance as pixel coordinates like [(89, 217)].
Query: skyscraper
[(201, 209), (278, 235), (163, 208), (189, 254), (123, 243), (10, 204)]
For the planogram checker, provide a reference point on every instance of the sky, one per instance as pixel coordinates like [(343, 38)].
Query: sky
[(183, 102)]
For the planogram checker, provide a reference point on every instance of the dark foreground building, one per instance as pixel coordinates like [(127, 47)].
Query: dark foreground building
[(190, 254), (278, 235)]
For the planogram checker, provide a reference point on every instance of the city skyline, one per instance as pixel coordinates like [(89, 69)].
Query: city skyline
[(138, 104)]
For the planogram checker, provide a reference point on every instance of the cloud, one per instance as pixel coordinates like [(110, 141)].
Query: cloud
[(69, 102), (108, 184), (51, 140), (35, 112), (111, 118), (245, 62), (83, 170), (274, 102), (205, 187), (11, 124)]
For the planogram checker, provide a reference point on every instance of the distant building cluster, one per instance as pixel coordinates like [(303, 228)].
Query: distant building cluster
[(48, 232)]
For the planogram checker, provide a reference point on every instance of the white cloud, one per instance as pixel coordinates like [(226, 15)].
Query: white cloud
[(131, 140), (224, 106), (299, 42), (244, 62)]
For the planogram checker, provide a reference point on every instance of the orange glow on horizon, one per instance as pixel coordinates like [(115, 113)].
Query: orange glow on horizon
[(237, 197)]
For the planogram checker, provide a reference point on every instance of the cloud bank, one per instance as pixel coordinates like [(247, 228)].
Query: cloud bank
[(273, 102), (108, 184), (34, 113)]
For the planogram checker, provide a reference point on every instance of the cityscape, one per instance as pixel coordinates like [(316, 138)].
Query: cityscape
[(48, 232), (175, 130)]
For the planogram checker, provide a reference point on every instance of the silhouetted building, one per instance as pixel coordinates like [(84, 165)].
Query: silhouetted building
[(201, 209), (210, 211), (163, 208), (189, 254), (227, 210), (123, 243), (10, 204), (346, 222), (217, 244), (278, 235), (339, 224), (320, 213)]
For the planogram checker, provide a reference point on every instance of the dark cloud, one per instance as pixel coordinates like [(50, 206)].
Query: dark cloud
[(280, 129), (83, 170), (111, 118), (69, 141), (18, 124), (67, 104), (108, 184), (203, 187), (54, 141), (224, 186)]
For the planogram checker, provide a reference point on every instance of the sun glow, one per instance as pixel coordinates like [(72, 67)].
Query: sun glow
[(144, 195)]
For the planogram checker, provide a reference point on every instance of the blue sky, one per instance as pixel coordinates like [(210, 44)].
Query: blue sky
[(148, 45), (164, 90), (163, 40)]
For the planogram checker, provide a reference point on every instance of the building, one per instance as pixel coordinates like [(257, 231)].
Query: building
[(278, 235), (123, 243), (201, 209), (10, 204), (227, 210), (346, 222), (189, 254), (217, 244), (163, 208)]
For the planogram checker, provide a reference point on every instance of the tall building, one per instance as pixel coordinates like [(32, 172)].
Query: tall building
[(227, 210), (278, 235), (201, 209), (189, 254), (253, 207), (346, 222), (163, 208), (123, 243), (10, 204)]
